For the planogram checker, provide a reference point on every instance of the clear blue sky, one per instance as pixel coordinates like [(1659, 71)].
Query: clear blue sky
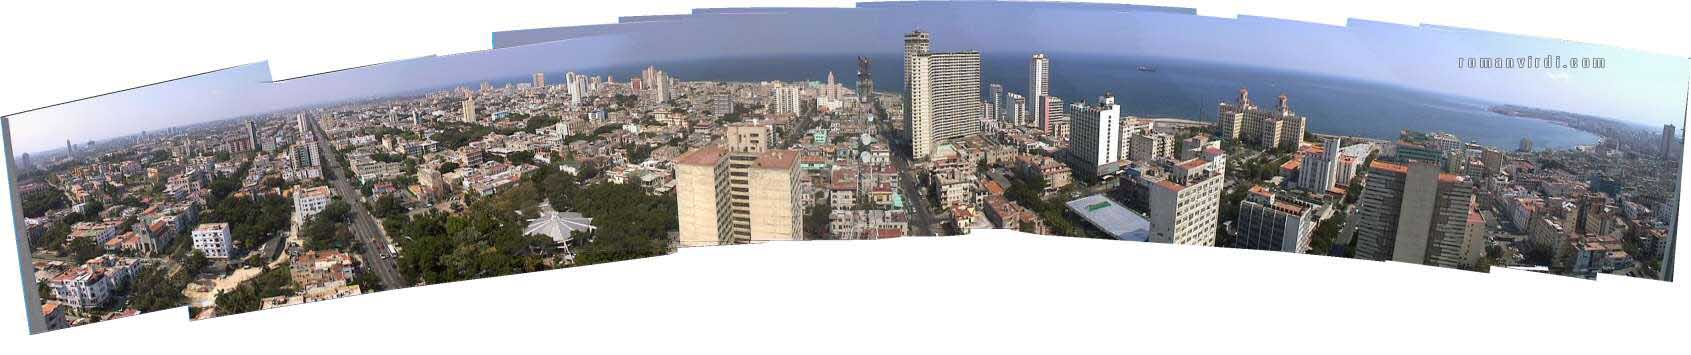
[(1637, 87)]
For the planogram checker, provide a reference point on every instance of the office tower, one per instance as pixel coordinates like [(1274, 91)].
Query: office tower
[(540, 80), (1151, 146), (945, 100), (70, 149), (1095, 138), (1526, 144), (1668, 138), (997, 94), (1039, 86), (1183, 199), (1271, 222), (486, 86), (1245, 122), (727, 197), (865, 84), (1317, 171), (469, 110), (252, 133), (1018, 109), (1416, 214), (786, 99)]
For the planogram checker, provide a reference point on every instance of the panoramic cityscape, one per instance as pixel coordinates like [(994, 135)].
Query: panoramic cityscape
[(572, 169)]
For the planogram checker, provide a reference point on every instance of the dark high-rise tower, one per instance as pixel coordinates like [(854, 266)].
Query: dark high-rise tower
[(252, 134), (865, 84)]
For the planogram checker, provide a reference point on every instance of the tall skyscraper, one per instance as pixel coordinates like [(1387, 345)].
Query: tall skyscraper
[(304, 127), (1319, 166), (831, 90), (997, 94), (1017, 109), (865, 84), (1052, 119), (786, 99), (469, 110), (539, 80), (576, 85), (945, 100), (1039, 86), (252, 133), (915, 44), (1246, 123), (1095, 138), (740, 194), (1669, 136), (1416, 214)]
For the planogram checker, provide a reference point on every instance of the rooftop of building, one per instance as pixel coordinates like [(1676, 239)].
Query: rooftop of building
[(702, 156), (778, 159)]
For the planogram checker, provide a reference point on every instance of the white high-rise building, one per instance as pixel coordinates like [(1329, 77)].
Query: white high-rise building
[(944, 95), (1184, 200), (1039, 86), (304, 128), (997, 96), (786, 99), (469, 110), (576, 86), (915, 44), (1318, 170), (661, 91), (1095, 136), (1018, 109), (309, 201)]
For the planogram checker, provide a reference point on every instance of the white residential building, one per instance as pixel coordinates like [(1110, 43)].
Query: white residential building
[(214, 240), (1095, 137), (309, 201)]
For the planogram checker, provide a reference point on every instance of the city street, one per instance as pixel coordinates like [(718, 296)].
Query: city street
[(363, 225), (921, 216)]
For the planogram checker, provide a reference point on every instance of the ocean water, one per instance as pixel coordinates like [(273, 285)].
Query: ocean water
[(1178, 89)]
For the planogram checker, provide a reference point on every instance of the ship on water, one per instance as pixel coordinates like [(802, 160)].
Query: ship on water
[(1147, 68)]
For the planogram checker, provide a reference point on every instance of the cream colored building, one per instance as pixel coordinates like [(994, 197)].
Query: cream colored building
[(1185, 200), (741, 195), (1244, 122)]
